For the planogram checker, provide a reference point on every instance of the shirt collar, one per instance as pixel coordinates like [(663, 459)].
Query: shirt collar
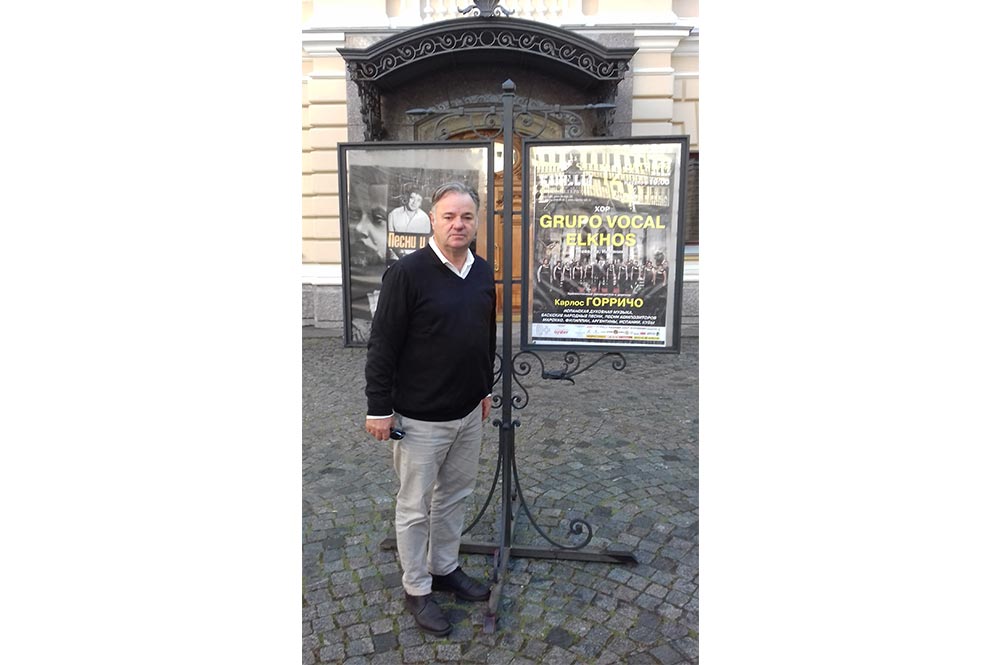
[(469, 260)]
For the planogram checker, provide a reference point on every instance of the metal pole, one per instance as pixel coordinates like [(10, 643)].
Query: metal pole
[(502, 554), (507, 427)]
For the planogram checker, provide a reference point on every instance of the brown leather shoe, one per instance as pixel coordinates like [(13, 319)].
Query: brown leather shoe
[(427, 614), (461, 585)]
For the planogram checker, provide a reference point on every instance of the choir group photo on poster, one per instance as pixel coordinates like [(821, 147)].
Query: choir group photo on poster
[(605, 249), (385, 213)]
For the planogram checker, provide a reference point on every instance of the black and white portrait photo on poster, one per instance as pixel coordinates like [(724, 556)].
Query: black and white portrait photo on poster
[(604, 248), (385, 200)]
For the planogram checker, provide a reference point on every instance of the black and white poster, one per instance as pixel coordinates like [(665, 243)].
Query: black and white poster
[(385, 207), (604, 247)]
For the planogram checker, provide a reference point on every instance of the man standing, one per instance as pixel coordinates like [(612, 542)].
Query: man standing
[(429, 375)]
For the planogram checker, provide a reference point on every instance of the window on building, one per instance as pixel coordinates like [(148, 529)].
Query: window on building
[(691, 202)]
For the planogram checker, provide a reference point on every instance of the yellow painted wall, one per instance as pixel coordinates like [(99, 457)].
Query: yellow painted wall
[(324, 126)]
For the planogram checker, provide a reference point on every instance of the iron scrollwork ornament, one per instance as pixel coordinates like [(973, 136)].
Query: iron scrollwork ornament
[(486, 8), (521, 366)]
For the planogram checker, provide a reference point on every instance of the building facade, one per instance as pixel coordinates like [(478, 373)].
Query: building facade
[(366, 62)]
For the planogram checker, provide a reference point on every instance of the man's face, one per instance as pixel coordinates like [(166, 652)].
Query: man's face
[(453, 221), (414, 201)]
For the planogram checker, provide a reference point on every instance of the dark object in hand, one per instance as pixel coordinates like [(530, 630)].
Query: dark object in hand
[(396, 434)]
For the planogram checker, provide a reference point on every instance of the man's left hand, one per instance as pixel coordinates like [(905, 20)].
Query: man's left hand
[(487, 403)]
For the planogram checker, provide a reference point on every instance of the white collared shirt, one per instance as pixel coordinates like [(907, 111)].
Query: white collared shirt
[(469, 260)]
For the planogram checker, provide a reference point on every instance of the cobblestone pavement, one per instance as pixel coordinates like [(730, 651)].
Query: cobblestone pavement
[(617, 448)]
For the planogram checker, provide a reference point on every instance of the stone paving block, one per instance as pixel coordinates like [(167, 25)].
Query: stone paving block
[(643, 556), (353, 602), (333, 653), (411, 637), (674, 630), (607, 658), (638, 583), (531, 611), (534, 649), (418, 654), (560, 637), (475, 654), (384, 642), (371, 613), (356, 660), (382, 626), (360, 647), (595, 614), (647, 602), (620, 575), (559, 656), (606, 602), (322, 624), (678, 598), (500, 657), (449, 652), (586, 651), (536, 629), (687, 646), (657, 590), (645, 635), (512, 641), (625, 593), (666, 655), (620, 623), (668, 611), (554, 618), (577, 626), (689, 619), (622, 645), (358, 631)]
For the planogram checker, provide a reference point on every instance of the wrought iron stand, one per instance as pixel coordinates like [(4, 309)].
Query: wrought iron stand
[(511, 367)]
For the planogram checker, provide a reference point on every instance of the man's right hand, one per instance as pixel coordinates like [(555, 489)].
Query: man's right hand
[(379, 427)]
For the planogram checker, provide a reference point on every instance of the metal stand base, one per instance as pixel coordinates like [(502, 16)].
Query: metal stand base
[(501, 558), (527, 552)]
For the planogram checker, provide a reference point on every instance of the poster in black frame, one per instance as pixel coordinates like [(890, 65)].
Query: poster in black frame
[(603, 253), (385, 196)]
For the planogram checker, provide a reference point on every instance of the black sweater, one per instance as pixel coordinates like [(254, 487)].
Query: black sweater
[(433, 339)]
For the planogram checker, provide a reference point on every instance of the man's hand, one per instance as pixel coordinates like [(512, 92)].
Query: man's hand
[(379, 427), (487, 402)]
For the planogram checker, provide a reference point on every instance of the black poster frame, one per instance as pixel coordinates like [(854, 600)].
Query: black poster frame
[(672, 292), (362, 266)]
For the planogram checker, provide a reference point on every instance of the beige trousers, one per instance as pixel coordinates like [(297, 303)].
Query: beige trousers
[(436, 463)]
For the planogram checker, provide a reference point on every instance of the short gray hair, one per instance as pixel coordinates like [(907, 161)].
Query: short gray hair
[(456, 187)]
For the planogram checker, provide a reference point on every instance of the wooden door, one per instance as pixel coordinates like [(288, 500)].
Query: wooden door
[(498, 256)]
